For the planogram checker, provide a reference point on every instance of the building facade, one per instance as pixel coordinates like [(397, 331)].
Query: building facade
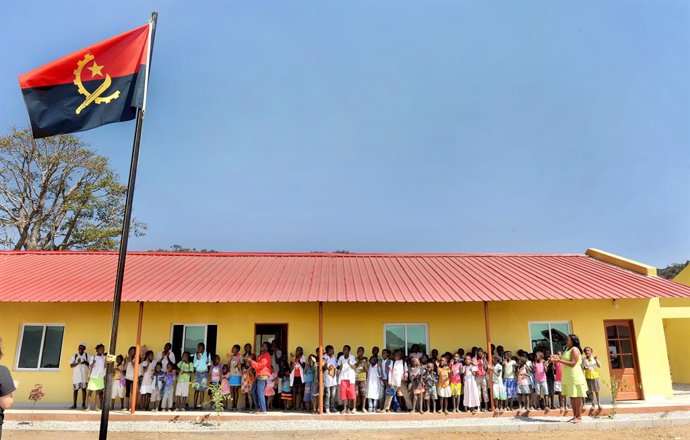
[(52, 301)]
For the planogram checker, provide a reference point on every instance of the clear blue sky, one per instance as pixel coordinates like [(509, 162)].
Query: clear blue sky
[(395, 126)]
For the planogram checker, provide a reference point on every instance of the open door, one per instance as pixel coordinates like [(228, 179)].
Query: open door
[(269, 333), (623, 366)]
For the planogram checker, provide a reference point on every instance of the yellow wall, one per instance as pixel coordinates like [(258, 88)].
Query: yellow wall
[(450, 326), (683, 276), (362, 323), (677, 330)]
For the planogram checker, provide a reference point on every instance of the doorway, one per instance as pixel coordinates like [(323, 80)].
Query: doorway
[(269, 333), (623, 364)]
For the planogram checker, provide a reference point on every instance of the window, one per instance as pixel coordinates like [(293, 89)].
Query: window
[(185, 337), (548, 335), (404, 336), (40, 346)]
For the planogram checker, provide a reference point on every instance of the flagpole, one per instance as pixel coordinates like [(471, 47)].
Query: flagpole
[(122, 254)]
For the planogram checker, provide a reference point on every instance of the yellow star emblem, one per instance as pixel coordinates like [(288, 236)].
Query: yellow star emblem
[(95, 70)]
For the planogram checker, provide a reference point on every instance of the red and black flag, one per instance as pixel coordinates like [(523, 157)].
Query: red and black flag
[(98, 85)]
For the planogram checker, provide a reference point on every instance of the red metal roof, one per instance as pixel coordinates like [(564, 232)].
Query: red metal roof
[(252, 277)]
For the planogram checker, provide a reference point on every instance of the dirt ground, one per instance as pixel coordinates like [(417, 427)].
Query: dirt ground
[(670, 433)]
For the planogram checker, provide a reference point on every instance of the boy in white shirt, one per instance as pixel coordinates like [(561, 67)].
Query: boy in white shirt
[(80, 372), (96, 378), (330, 381), (395, 378), (346, 364)]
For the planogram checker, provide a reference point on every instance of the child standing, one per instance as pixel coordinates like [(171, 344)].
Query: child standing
[(471, 399), (201, 363), (590, 364), (373, 383), (481, 378), (541, 386), (216, 372), (509, 365), (456, 381), (497, 383), (247, 382), (80, 372), (550, 378), (185, 369), (523, 384), (361, 367), (309, 382), (168, 379), (315, 388), (286, 390), (118, 382), (235, 368), (430, 381), (416, 385), (557, 384), (96, 378), (330, 381), (147, 367), (130, 359), (444, 385), (225, 385), (270, 390), (347, 365), (297, 364), (157, 385)]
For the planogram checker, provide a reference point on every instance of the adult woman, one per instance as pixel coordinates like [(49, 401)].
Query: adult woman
[(574, 382), (7, 387), (262, 366)]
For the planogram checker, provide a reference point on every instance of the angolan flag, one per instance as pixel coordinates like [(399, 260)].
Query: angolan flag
[(98, 85)]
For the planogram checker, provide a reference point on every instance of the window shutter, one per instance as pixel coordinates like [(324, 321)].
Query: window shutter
[(211, 339), (178, 333)]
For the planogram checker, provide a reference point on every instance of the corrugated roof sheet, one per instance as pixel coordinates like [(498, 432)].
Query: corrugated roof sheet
[(269, 277)]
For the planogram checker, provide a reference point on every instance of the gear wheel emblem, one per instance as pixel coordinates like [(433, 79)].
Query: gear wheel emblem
[(96, 95)]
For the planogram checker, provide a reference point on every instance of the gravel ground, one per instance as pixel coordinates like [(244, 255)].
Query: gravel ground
[(668, 433), (255, 425)]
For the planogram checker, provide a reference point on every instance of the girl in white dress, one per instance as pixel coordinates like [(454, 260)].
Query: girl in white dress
[(472, 399), (373, 383)]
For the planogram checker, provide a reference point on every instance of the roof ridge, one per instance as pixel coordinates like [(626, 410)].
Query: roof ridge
[(292, 254)]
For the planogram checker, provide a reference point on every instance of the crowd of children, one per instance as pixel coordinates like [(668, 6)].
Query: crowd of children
[(381, 382)]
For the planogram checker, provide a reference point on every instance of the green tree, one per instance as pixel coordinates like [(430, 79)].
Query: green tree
[(180, 248), (56, 193), (669, 272)]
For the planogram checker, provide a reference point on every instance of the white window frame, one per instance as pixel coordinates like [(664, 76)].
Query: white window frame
[(529, 331), (40, 350), (405, 324), (184, 332)]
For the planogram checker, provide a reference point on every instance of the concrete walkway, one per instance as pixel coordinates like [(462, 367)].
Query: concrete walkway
[(345, 424)]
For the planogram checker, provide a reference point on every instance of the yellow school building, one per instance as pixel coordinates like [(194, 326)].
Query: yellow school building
[(634, 321)]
